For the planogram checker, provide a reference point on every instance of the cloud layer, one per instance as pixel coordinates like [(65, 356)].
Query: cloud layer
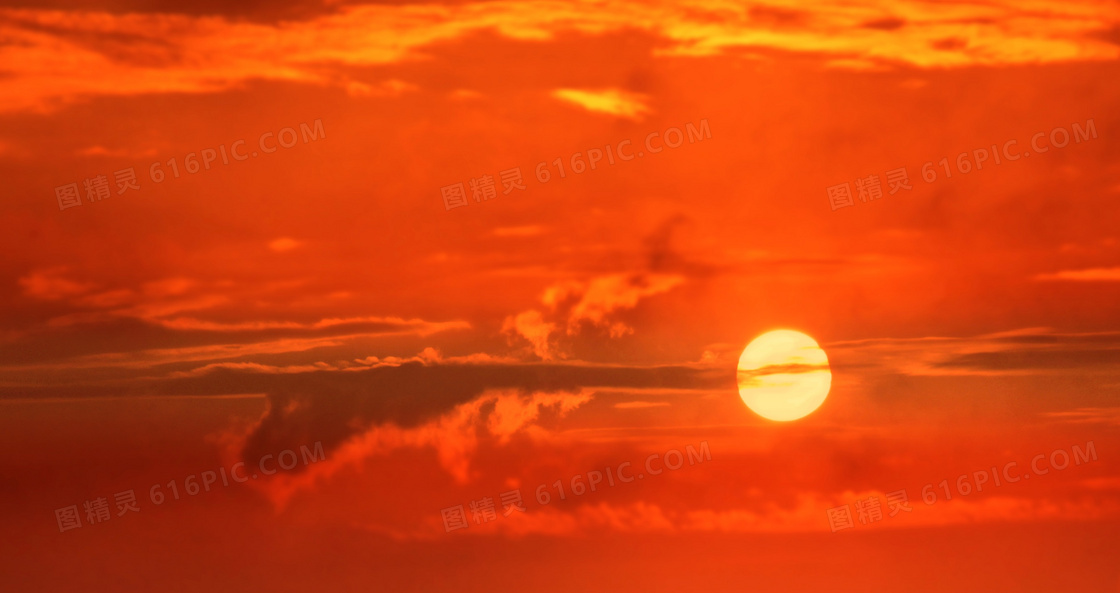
[(54, 57)]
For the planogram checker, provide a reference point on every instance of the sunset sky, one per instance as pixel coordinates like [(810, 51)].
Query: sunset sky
[(233, 230)]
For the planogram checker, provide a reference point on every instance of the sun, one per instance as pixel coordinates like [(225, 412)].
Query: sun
[(783, 375)]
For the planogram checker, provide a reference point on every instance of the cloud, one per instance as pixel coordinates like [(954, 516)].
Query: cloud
[(158, 302), (430, 356), (153, 357), (1030, 351), (605, 295), (338, 408), (496, 416), (152, 314), (640, 405), (53, 57), (98, 150), (809, 514), (283, 244), (464, 95), (52, 285), (426, 356), (806, 513), (1089, 416), (388, 88), (150, 301), (593, 302), (391, 324), (611, 101), (253, 367), (532, 326), (751, 377), (1089, 275)]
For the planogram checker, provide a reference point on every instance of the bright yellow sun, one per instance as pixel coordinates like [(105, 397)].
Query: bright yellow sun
[(783, 375)]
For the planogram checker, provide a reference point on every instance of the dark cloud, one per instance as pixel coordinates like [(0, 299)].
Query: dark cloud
[(949, 43), (659, 244), (887, 24), (332, 406), (329, 408), (1111, 35), (778, 17), (1034, 360), (124, 334), (248, 10), (1042, 351), (782, 369)]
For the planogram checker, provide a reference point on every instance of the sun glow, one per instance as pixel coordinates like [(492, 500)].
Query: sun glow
[(783, 375)]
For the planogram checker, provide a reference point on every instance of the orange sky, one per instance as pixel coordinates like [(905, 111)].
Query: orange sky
[(271, 289)]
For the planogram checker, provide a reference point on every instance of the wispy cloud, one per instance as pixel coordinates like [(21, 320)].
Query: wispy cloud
[(1089, 416), (282, 244), (1024, 352), (99, 151), (1087, 275), (610, 101), (640, 405), (493, 417), (804, 514), (594, 302)]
